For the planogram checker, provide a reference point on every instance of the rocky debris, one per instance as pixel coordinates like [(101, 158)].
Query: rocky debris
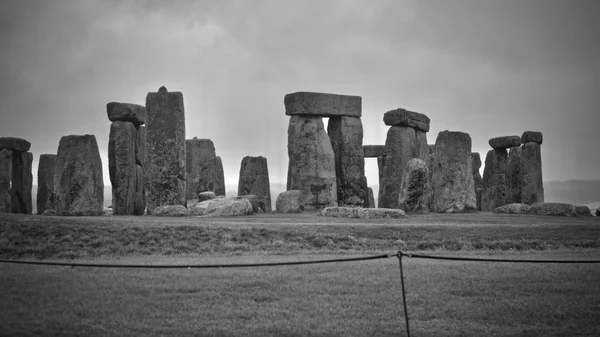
[(402, 144), (223, 207), (126, 112), (532, 136), (514, 176), (516, 208), (402, 117), (49, 212), (14, 144), (452, 179), (582, 211), (122, 166), (5, 179), (362, 213), (322, 105), (165, 174), (477, 179), (200, 166), (206, 195), (22, 182), (494, 180), (311, 163), (78, 182), (598, 211), (171, 210), (505, 142), (258, 204), (552, 208), (254, 180), (289, 202), (415, 187), (346, 134), (532, 190), (219, 177), (371, 197), (107, 211), (373, 151), (139, 204), (45, 192)]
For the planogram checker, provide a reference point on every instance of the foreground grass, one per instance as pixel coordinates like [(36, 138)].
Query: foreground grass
[(349, 299), (69, 238)]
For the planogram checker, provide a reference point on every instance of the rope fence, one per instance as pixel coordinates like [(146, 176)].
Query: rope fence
[(399, 255)]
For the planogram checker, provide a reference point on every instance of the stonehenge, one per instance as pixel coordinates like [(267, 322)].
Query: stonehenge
[(165, 176), (254, 180), (45, 192), (16, 179), (219, 177), (201, 161), (415, 187)]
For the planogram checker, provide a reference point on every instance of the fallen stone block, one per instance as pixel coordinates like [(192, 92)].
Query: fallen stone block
[(516, 208)]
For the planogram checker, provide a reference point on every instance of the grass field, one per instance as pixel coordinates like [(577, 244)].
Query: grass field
[(350, 299)]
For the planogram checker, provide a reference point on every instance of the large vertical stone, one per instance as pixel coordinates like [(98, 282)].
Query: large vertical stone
[(346, 135), (371, 196), (430, 161), (478, 180), (5, 179), (165, 173), (139, 202), (453, 185), (22, 181), (514, 176), (78, 182), (414, 189), (380, 170), (401, 145), (45, 192), (531, 162), (311, 163), (122, 166), (495, 185), (140, 146), (200, 166), (219, 177), (254, 179)]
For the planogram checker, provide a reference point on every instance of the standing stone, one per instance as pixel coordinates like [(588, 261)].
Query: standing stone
[(380, 169), (531, 163), (200, 166), (254, 180), (165, 173), (371, 198), (401, 145), (346, 134), (5, 179), (78, 181), (219, 177), (430, 161), (415, 187), (453, 185), (139, 201), (140, 146), (45, 193), (122, 166), (311, 163), (22, 180), (477, 179), (514, 176), (495, 185)]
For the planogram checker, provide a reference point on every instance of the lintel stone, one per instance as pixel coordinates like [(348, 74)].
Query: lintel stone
[(324, 105)]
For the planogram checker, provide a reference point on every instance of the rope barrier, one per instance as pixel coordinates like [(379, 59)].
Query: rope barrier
[(474, 259)]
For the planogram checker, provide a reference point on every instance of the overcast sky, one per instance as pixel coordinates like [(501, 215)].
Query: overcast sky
[(488, 68)]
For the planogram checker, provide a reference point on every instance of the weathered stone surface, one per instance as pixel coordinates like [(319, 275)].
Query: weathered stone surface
[(505, 142), (380, 171), (22, 181), (598, 211), (14, 144), (200, 166), (514, 176), (340, 212), (122, 166), (371, 198), (165, 150), (582, 211), (78, 182), (139, 204), (532, 136), (258, 204), (402, 117), (531, 164), (5, 179), (552, 208), (107, 211), (478, 181), (322, 105), (171, 210), (430, 160), (45, 182), (207, 195), (219, 177), (289, 202), (516, 208), (126, 112), (475, 161), (254, 180), (452, 180), (494, 180), (362, 213), (140, 146), (223, 207), (373, 151), (415, 186), (401, 145), (346, 134), (311, 162)]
